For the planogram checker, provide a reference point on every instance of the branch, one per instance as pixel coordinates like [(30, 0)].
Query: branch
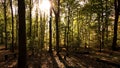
[(54, 10), (52, 7)]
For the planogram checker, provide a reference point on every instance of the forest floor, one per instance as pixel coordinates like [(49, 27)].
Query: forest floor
[(92, 59)]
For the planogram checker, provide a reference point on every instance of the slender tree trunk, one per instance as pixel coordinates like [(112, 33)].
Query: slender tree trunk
[(37, 22), (50, 31), (12, 46), (42, 33), (65, 35), (89, 29), (30, 33), (114, 44), (22, 35), (99, 32), (37, 28), (103, 25), (40, 29), (78, 27), (16, 41), (57, 26), (30, 7), (5, 20), (119, 6), (2, 38), (68, 23), (106, 21)]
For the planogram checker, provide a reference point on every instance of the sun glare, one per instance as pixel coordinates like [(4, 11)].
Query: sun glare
[(45, 6)]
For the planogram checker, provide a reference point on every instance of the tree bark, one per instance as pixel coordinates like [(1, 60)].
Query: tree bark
[(2, 38), (22, 35), (57, 26), (106, 21), (99, 32), (12, 46), (68, 23), (114, 44), (5, 20), (50, 31), (42, 31), (103, 24), (30, 20)]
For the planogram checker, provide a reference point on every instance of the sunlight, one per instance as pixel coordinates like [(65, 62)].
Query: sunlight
[(45, 6), (82, 3)]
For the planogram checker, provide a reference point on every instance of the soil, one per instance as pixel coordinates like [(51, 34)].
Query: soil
[(45, 59)]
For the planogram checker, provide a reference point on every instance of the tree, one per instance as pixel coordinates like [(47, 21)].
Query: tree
[(50, 31), (117, 10), (68, 28), (30, 20), (42, 29), (57, 13), (5, 20), (30, 27), (22, 35), (12, 46), (103, 25), (1, 24)]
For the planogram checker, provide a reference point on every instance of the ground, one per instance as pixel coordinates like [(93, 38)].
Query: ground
[(82, 59)]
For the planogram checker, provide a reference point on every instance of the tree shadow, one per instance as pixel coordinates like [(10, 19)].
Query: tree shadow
[(55, 65), (63, 60)]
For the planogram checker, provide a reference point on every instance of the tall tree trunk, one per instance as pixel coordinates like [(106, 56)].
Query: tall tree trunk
[(65, 35), (68, 23), (12, 46), (106, 21), (37, 24), (5, 20), (30, 33), (30, 20), (103, 25), (22, 35), (50, 31), (42, 32), (99, 32), (78, 27), (57, 26), (2, 38), (16, 40), (116, 3), (40, 29)]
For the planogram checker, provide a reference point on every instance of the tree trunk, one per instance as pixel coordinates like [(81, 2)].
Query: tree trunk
[(2, 38), (114, 44), (78, 27), (37, 24), (106, 21), (30, 20), (50, 31), (30, 33), (42, 32), (16, 40), (103, 25), (99, 32), (12, 46), (22, 35), (65, 35), (57, 26), (5, 20), (68, 23)]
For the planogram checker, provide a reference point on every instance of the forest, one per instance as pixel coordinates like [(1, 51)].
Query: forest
[(59, 33)]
